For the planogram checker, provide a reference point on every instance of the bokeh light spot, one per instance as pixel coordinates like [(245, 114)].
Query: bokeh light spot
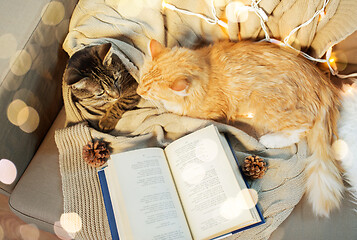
[(71, 222), (31, 117), (53, 13), (193, 173), (14, 109), (248, 198), (61, 233), (29, 232), (20, 63), (206, 150), (340, 149), (8, 171), (341, 60), (14, 84), (23, 116), (230, 208), (8, 45)]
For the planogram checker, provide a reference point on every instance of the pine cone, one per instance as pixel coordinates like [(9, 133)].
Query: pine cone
[(254, 167), (96, 153)]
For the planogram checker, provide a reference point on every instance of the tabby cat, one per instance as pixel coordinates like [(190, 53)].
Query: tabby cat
[(281, 95), (99, 80)]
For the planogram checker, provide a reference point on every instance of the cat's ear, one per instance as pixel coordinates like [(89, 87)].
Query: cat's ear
[(105, 53), (82, 84), (180, 87), (71, 76), (155, 48)]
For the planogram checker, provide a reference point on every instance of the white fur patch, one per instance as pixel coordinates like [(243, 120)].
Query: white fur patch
[(182, 93), (172, 107), (281, 139), (324, 186), (347, 131)]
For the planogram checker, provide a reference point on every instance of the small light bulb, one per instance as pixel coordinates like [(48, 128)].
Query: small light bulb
[(250, 115), (168, 6), (163, 4), (332, 60), (322, 15)]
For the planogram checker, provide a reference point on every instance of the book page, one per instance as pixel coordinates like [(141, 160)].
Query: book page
[(148, 198), (207, 184)]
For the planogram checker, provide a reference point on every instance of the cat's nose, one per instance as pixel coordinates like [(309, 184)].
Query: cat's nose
[(114, 93)]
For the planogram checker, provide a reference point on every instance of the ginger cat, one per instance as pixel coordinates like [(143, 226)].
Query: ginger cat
[(283, 95)]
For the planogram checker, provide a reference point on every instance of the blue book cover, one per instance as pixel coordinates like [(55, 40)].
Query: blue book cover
[(108, 204)]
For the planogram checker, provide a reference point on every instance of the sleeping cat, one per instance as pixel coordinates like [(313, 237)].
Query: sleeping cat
[(282, 96), (100, 81)]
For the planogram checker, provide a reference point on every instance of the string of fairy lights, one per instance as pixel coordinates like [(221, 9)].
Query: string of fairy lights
[(239, 8)]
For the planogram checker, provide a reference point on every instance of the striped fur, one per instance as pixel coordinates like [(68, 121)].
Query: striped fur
[(101, 84)]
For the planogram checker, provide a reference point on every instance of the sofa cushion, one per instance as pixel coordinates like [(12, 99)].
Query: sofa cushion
[(37, 198), (31, 67), (303, 224)]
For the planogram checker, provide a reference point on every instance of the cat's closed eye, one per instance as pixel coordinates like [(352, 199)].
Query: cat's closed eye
[(180, 85), (111, 90), (101, 93)]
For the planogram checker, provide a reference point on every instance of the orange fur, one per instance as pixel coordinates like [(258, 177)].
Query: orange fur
[(285, 93)]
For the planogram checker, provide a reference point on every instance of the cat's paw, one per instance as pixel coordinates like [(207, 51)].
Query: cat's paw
[(281, 139), (107, 124)]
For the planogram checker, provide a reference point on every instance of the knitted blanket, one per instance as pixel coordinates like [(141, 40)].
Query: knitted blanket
[(129, 25), (279, 190)]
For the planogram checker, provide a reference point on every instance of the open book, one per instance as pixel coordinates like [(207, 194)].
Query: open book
[(192, 189)]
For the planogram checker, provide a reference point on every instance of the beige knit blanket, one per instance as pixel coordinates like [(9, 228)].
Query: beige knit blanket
[(129, 24), (279, 191)]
